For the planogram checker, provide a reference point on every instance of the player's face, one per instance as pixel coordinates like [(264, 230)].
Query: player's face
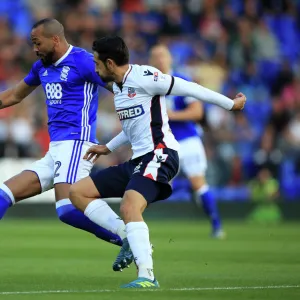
[(102, 70), (160, 58), (44, 47)]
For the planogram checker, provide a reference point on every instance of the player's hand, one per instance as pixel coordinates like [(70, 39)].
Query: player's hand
[(239, 101), (93, 153)]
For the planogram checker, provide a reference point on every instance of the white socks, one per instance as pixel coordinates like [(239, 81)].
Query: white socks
[(202, 190), (62, 202), (138, 238), (137, 234), (100, 213)]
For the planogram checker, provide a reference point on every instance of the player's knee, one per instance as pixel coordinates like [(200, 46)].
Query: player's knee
[(75, 195), (126, 207), (130, 208), (197, 182), (125, 210)]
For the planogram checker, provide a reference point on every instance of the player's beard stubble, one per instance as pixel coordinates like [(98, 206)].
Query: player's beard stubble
[(107, 77), (47, 59)]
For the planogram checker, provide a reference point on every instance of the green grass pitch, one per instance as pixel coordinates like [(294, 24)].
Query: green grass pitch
[(50, 260)]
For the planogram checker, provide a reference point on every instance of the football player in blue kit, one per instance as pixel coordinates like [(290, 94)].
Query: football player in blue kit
[(183, 114), (139, 97), (70, 83)]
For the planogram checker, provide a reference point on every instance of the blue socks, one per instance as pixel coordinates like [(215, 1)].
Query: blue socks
[(6, 199), (209, 205), (68, 214)]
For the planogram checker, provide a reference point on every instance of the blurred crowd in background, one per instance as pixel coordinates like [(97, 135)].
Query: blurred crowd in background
[(228, 46)]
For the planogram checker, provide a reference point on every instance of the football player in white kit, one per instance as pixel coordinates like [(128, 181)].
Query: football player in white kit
[(183, 113), (140, 102)]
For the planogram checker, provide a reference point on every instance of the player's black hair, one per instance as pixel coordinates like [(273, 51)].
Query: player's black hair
[(112, 47)]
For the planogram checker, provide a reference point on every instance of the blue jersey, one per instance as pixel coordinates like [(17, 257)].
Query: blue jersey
[(181, 129), (71, 89)]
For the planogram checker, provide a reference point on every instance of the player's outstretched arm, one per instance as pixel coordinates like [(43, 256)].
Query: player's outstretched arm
[(182, 87), (94, 152), (164, 84), (15, 94)]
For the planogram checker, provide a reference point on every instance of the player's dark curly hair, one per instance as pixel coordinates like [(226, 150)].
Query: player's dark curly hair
[(112, 47)]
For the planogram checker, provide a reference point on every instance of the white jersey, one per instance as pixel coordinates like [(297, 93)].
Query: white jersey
[(142, 109)]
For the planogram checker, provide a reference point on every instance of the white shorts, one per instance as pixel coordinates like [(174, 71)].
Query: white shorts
[(63, 163), (192, 157)]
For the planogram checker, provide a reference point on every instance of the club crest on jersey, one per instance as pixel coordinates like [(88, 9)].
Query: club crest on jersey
[(64, 73), (155, 76), (131, 112), (131, 92)]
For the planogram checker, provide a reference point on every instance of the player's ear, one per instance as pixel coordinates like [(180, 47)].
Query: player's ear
[(110, 64), (55, 39)]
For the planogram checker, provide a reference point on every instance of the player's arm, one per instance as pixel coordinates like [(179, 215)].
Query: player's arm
[(182, 87), (94, 152), (118, 141), (193, 112), (15, 94), (163, 84)]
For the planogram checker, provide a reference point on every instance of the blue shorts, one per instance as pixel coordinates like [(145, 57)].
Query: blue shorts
[(149, 175)]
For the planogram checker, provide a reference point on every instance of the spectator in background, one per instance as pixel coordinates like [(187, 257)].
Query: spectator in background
[(175, 22), (242, 48), (265, 192), (292, 136), (4, 136), (268, 156), (285, 77), (291, 95), (279, 118), (41, 135), (236, 177), (21, 132), (265, 43), (244, 136)]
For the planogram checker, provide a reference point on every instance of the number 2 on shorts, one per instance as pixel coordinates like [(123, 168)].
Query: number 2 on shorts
[(58, 165)]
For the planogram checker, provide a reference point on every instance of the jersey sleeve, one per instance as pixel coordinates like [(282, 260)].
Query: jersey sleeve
[(186, 100), (86, 66), (185, 88), (33, 78), (154, 82), (118, 141)]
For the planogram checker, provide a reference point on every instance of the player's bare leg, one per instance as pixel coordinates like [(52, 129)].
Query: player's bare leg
[(209, 204), (22, 186), (62, 191), (197, 182), (83, 192), (132, 207), (68, 214)]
